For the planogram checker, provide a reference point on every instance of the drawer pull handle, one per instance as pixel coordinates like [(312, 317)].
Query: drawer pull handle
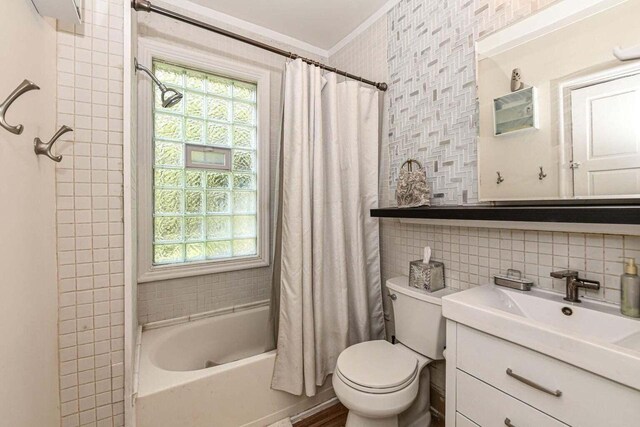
[(530, 383), (507, 422)]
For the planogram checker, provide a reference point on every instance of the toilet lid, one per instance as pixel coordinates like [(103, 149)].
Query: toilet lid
[(377, 365)]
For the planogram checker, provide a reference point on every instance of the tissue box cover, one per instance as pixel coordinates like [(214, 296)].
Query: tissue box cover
[(429, 277)]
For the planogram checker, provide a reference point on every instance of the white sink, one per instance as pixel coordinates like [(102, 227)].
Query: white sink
[(591, 335)]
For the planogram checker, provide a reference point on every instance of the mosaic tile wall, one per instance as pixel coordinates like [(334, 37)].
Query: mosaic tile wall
[(472, 256), (89, 186), (169, 299), (432, 94)]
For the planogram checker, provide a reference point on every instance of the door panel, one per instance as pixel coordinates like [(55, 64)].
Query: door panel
[(606, 138), (29, 303)]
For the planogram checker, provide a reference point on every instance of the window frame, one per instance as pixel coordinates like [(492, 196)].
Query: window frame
[(148, 51)]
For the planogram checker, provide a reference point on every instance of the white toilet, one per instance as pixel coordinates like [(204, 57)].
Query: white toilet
[(377, 380)]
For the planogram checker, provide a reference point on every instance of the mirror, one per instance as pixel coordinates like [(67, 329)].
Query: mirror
[(559, 108)]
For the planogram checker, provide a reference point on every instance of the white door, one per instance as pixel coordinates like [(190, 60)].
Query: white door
[(29, 301), (606, 138)]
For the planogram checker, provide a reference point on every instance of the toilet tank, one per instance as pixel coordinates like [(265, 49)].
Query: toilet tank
[(418, 317)]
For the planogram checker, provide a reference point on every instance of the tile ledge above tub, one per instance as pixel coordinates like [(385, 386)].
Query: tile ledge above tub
[(623, 219), (204, 315)]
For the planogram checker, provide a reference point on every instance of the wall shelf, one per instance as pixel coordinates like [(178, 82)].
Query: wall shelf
[(629, 215)]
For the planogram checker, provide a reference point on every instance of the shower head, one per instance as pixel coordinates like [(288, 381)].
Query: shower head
[(170, 97)]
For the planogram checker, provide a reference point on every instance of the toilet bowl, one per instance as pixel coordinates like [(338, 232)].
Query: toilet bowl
[(377, 380)]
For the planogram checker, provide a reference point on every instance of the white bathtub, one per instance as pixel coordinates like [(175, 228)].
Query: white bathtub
[(176, 390)]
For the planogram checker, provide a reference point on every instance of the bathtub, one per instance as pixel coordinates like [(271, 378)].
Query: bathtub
[(213, 372)]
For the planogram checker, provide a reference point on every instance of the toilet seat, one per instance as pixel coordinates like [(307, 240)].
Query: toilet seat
[(377, 367)]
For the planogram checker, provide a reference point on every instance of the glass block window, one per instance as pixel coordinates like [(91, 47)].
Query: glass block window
[(204, 214)]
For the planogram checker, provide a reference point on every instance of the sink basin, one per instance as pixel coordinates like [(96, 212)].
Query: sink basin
[(591, 335), (590, 319)]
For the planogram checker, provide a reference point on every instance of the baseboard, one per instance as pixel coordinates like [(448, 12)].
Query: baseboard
[(311, 412), (300, 408)]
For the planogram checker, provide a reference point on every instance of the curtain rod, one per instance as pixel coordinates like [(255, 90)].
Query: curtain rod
[(147, 6)]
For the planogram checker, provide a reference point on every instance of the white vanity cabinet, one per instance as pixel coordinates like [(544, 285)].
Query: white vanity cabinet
[(494, 382)]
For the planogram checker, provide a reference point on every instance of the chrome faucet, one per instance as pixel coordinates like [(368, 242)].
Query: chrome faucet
[(574, 283)]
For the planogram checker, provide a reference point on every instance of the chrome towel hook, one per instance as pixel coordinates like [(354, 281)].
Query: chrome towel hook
[(24, 87), (42, 148), (542, 175)]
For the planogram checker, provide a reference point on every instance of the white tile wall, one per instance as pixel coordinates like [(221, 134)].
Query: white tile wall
[(472, 256), (180, 297), (89, 217)]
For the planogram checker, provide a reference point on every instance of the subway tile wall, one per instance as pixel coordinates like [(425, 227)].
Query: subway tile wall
[(89, 217)]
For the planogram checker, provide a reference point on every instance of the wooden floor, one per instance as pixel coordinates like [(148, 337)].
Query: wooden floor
[(334, 416)]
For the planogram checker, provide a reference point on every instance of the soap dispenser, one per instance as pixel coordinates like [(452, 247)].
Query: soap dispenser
[(630, 289)]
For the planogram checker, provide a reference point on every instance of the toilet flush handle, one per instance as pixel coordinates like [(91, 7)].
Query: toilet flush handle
[(393, 297)]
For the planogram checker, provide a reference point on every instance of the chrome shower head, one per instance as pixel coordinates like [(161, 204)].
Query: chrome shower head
[(170, 97)]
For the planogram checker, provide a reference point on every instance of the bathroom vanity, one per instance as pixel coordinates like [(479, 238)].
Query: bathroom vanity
[(520, 358)]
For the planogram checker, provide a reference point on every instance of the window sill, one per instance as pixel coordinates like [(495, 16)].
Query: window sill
[(173, 271)]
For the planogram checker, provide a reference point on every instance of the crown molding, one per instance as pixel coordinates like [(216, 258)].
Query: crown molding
[(220, 17), (206, 12), (363, 27)]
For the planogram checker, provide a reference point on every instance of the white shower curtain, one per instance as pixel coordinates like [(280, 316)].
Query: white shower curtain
[(330, 293)]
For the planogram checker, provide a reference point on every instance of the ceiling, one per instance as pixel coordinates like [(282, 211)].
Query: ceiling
[(321, 23)]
